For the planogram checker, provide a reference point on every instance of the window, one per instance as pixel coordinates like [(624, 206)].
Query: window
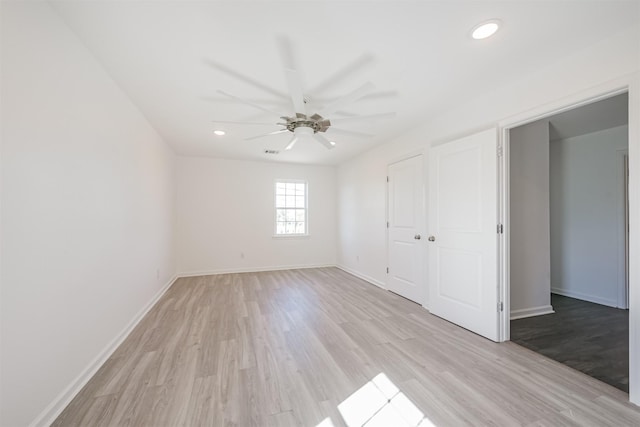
[(291, 208)]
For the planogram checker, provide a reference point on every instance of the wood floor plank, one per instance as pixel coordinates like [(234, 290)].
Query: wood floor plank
[(131, 396), (591, 338), (287, 348), (438, 407), (282, 419), (101, 411), (200, 408)]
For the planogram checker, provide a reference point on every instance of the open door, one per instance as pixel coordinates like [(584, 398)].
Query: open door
[(463, 240)]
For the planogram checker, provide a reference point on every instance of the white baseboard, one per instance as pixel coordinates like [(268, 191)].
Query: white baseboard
[(585, 297), (51, 412), (530, 312), (362, 276), (250, 270), (279, 268)]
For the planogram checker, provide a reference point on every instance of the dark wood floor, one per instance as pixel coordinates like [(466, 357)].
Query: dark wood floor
[(591, 338)]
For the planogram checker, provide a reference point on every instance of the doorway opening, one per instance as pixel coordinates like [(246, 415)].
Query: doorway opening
[(568, 242)]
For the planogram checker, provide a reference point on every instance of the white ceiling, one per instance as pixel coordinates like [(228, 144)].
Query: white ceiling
[(417, 53), (597, 116)]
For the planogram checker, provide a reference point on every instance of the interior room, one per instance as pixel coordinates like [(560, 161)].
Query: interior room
[(569, 248), (297, 213)]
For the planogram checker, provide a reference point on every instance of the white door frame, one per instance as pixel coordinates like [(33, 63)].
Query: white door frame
[(622, 201), (631, 85)]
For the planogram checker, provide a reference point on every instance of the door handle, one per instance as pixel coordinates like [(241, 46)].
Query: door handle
[(432, 238), (417, 237)]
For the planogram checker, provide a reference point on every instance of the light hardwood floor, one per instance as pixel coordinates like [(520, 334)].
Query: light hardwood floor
[(287, 348)]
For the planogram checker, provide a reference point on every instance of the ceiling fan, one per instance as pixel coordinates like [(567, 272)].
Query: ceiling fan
[(307, 121)]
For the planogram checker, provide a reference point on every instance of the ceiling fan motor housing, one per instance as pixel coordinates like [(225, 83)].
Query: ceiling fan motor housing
[(316, 122)]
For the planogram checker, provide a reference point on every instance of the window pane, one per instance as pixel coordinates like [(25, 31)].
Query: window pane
[(291, 188), (290, 227), (281, 215), (300, 227), (300, 189), (300, 215), (291, 201), (280, 201), (291, 215), (299, 201), (280, 228)]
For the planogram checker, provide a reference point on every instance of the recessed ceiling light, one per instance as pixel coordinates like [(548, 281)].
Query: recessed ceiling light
[(332, 143), (219, 132), (485, 29)]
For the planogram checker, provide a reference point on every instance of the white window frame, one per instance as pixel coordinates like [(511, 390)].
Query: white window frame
[(275, 208)]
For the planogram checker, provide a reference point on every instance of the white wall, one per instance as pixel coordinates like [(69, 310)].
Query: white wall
[(529, 220), (225, 216), (586, 215), (362, 212), (361, 228), (87, 213)]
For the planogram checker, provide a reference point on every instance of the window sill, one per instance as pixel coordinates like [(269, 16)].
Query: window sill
[(290, 236)]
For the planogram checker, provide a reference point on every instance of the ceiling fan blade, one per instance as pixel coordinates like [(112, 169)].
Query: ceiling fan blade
[(324, 141), (243, 123), (244, 101), (347, 99), (267, 103), (380, 94), (295, 88), (292, 142), (285, 49), (246, 79), (275, 132), (350, 132), (340, 120), (343, 73)]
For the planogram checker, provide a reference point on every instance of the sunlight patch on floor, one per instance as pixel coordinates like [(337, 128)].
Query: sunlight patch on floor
[(379, 403), (326, 423)]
